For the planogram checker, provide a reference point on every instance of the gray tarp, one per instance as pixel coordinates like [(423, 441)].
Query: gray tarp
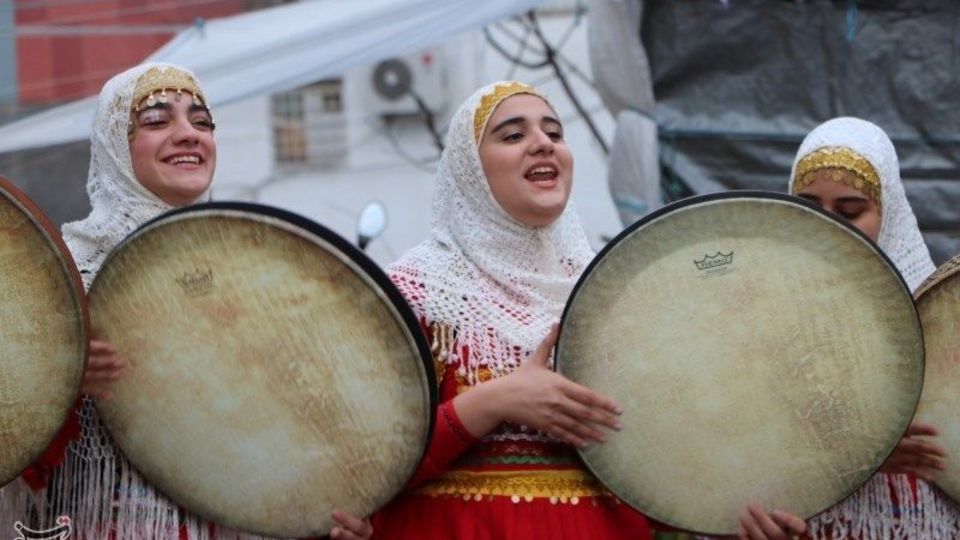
[(739, 83)]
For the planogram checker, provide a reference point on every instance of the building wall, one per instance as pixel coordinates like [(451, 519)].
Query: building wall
[(394, 163), (66, 51)]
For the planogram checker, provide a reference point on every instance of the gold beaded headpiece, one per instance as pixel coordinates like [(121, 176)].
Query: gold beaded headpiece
[(490, 101), (163, 79), (864, 176)]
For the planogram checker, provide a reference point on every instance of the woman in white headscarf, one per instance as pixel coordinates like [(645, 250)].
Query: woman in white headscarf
[(504, 253), (849, 167), (152, 150)]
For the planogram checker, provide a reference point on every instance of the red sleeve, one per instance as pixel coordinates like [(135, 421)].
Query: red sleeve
[(450, 439), (37, 475)]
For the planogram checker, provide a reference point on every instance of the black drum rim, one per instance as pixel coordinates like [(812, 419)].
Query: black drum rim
[(373, 274)]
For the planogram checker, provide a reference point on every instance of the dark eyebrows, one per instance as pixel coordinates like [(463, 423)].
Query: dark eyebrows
[(551, 120), (194, 108), (853, 199), (520, 120), (161, 106), (508, 122)]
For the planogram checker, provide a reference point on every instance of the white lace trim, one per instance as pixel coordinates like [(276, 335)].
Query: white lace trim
[(497, 282)]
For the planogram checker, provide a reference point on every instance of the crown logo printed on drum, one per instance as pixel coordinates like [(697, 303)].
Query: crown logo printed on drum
[(714, 261), (197, 282)]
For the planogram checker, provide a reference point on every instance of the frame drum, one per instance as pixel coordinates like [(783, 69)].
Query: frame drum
[(43, 332), (763, 352), (276, 373), (938, 301)]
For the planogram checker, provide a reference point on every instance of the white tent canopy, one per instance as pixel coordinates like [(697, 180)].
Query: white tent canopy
[(282, 48)]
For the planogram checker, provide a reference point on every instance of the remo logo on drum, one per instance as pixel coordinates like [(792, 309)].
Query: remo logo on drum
[(715, 265), (60, 532)]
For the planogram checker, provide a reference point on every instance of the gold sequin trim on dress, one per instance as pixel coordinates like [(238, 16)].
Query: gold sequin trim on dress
[(565, 487), (840, 159), (490, 101)]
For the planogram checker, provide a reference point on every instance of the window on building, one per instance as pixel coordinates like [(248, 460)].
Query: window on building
[(309, 126), (289, 133)]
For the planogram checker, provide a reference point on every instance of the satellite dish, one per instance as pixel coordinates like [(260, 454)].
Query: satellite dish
[(392, 79)]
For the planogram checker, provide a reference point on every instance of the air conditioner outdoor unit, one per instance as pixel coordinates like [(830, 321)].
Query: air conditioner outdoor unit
[(391, 81)]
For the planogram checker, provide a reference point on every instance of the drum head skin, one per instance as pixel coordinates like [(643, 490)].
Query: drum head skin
[(276, 373), (763, 352), (43, 331), (938, 301)]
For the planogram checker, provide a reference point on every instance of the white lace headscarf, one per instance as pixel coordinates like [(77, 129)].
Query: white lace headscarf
[(119, 202), (900, 236), (498, 283), (96, 486), (871, 511)]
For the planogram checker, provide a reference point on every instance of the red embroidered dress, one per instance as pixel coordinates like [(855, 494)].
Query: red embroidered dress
[(512, 484)]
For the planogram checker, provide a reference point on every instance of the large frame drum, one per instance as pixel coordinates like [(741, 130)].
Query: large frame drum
[(43, 332), (276, 373), (763, 351), (938, 302)]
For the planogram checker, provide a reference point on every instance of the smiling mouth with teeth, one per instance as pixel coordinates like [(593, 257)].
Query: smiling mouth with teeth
[(542, 174)]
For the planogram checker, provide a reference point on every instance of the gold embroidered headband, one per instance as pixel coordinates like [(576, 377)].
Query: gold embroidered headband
[(490, 101), (162, 79), (864, 176)]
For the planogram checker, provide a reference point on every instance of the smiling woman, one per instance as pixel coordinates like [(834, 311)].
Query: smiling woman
[(172, 148), (152, 150)]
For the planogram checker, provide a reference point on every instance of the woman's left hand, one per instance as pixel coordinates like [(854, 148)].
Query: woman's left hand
[(350, 527), (915, 455)]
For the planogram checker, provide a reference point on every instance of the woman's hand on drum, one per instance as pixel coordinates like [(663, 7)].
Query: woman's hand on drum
[(916, 455), (533, 395), (104, 367), (757, 524), (350, 527)]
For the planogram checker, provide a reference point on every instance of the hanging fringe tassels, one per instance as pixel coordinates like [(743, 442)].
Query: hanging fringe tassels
[(14, 497), (101, 492), (888, 507), (862, 515), (928, 513)]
